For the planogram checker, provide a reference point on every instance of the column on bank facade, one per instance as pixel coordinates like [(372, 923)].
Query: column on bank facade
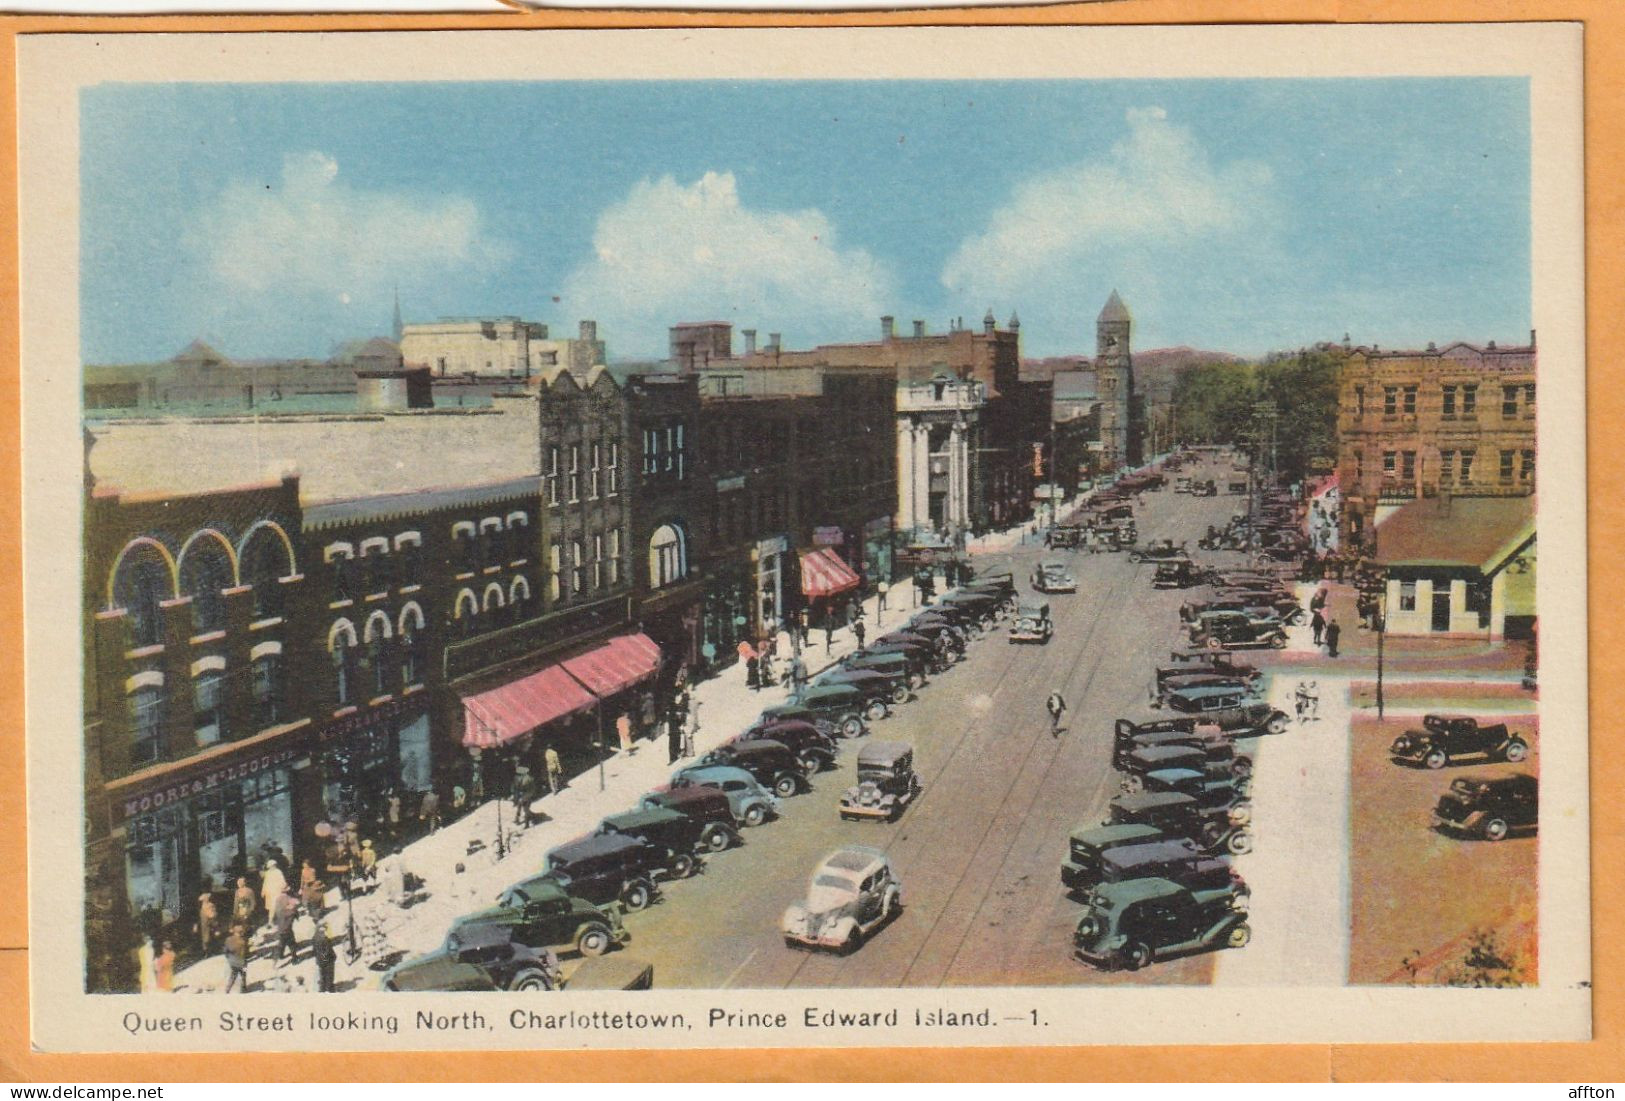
[(907, 456)]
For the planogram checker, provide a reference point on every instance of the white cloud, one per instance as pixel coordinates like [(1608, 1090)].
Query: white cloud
[(315, 253), (671, 252), (1156, 215)]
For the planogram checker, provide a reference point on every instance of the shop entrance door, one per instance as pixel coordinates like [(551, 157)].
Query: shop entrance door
[(1441, 606)]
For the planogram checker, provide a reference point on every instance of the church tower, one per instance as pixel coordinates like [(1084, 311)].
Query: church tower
[(1114, 373)]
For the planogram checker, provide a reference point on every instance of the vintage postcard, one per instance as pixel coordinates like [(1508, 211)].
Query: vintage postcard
[(809, 537)]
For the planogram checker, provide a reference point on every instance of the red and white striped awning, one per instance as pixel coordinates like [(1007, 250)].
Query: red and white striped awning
[(500, 715), (824, 574), (616, 665)]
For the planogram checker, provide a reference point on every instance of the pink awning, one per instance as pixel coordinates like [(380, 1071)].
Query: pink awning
[(500, 715), (824, 574), (616, 665)]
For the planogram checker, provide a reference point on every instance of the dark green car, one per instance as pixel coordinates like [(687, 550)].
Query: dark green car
[(486, 957), (541, 915)]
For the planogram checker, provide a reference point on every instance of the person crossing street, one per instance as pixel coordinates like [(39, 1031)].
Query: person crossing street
[(1056, 706)]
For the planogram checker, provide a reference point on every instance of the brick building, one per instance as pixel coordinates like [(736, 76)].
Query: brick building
[(1457, 421)]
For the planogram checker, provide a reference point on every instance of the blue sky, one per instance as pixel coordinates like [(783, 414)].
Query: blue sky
[(1237, 215)]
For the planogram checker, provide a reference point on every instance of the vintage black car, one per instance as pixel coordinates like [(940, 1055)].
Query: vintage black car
[(1491, 807), (886, 785), (945, 637), (773, 764), (1256, 605), (608, 868), (681, 836), (1032, 622), (1186, 682), (486, 957), (1088, 844), (1215, 748), (1201, 659), (1238, 631), (923, 656), (847, 705), (812, 747), (1215, 758), (889, 686), (787, 712), (975, 609), (1157, 550), (720, 799), (1132, 924), (615, 972), (911, 668), (1052, 577), (1066, 537), (1213, 789), (1177, 573), (1178, 860), (1000, 584), (1444, 738), (1237, 711), (1183, 816), (542, 914)]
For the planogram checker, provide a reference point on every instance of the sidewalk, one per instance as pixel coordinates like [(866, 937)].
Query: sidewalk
[(725, 707)]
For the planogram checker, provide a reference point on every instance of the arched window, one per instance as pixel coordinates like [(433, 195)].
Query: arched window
[(208, 707), (206, 573), (668, 559), (412, 644), (377, 663), (140, 581), (375, 567), (341, 645), (465, 613), (493, 597), (264, 563), (146, 725), (519, 599)]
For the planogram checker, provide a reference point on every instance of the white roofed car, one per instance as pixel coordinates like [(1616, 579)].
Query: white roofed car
[(851, 894)]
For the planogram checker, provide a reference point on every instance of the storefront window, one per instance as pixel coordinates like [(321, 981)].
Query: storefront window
[(152, 861)]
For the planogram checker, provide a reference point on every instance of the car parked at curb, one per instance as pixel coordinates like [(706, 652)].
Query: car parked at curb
[(1183, 816), (485, 958), (1233, 709), (899, 663), (812, 747), (888, 687), (1489, 807), (772, 763), (1130, 925), (682, 837), (543, 914), (610, 868), (1444, 738), (721, 798), (845, 705), (852, 893)]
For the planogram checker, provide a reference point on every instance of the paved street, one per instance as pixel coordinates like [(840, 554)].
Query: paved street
[(979, 853)]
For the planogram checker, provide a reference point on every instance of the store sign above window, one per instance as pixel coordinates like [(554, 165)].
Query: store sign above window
[(361, 720), (767, 548), (828, 537), (176, 791)]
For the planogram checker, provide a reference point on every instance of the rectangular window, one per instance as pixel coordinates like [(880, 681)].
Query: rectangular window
[(146, 724), (1529, 400), (1390, 463), (1359, 466), (207, 722), (1507, 458), (682, 452), (1467, 458), (553, 475), (1447, 467), (1359, 401), (671, 448), (1390, 401), (266, 690), (1526, 471), (1407, 596), (1407, 469), (615, 556), (1449, 401), (592, 479), (575, 473), (614, 479), (651, 450), (1410, 401), (1509, 402), (411, 565), (553, 572), (578, 566), (1469, 400)]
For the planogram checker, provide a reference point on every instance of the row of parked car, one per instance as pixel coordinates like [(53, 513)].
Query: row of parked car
[(575, 902), (1156, 875)]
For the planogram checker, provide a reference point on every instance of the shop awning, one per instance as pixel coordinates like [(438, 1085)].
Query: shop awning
[(616, 665), (500, 715), (824, 574)]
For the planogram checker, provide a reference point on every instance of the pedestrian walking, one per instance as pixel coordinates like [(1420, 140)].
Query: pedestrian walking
[(283, 916), (272, 886), (753, 673), (459, 799), (392, 880), (243, 904), (1312, 698), (393, 812), (429, 811), (146, 960), (1300, 700), (207, 917), (829, 633), (236, 949), (524, 787), (1318, 601), (674, 736), (369, 862), (327, 958), (311, 889), (880, 598), (163, 969), (1056, 706), (798, 675), (1317, 624), (858, 631), (555, 768), (1332, 633), (691, 729), (623, 733)]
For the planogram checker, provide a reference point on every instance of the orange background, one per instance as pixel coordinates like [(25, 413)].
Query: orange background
[(1597, 1061)]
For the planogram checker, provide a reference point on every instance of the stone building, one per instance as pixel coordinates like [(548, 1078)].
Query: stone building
[(496, 347), (1114, 381), (1456, 421)]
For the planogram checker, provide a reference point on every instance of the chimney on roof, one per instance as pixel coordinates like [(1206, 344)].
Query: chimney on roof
[(988, 323), (1531, 340), (750, 340), (888, 327), (1432, 347), (919, 330), (589, 331), (773, 342), (1490, 346)]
